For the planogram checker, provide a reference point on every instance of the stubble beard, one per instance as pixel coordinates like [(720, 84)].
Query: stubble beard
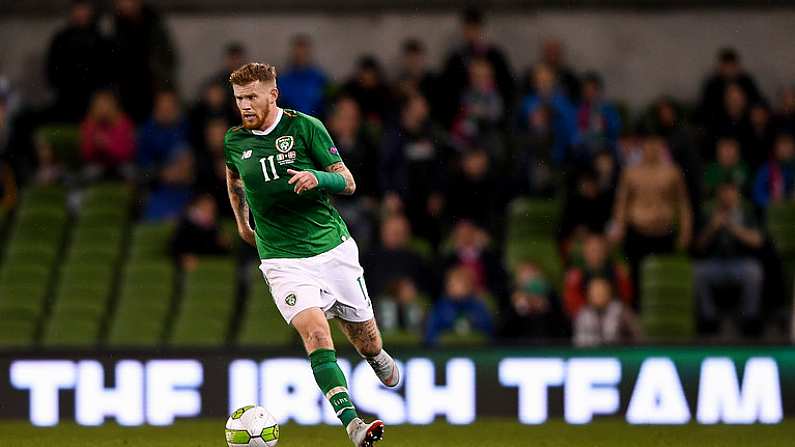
[(257, 123)]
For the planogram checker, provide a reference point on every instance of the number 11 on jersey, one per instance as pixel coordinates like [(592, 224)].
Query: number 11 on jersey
[(270, 162)]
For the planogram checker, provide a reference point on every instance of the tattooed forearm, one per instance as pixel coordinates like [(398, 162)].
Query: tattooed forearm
[(364, 336), (350, 184), (237, 198)]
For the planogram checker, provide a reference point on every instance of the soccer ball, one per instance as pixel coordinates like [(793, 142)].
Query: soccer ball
[(252, 426)]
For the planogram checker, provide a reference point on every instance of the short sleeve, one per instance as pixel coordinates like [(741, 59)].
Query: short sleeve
[(228, 153), (321, 147)]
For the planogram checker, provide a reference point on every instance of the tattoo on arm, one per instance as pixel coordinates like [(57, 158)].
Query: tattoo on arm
[(350, 184), (237, 198)]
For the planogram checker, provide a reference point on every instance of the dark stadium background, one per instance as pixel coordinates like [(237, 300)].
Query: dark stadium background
[(488, 172)]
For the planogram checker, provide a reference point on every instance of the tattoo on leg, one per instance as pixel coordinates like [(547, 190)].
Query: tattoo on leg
[(365, 336)]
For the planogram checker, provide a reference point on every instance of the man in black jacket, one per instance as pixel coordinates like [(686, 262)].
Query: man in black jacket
[(77, 62)]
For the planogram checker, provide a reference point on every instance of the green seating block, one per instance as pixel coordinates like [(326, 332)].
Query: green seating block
[(261, 324), (667, 300), (136, 330), (71, 330), (16, 333)]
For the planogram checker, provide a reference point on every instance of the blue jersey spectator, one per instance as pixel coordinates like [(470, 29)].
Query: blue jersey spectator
[(598, 122), (564, 114), (459, 307), (775, 180)]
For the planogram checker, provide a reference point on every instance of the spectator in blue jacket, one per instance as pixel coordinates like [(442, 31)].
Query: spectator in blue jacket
[(460, 309), (564, 114), (303, 85), (598, 121), (775, 180), (164, 134)]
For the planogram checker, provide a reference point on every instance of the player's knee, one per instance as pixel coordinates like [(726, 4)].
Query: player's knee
[(318, 338)]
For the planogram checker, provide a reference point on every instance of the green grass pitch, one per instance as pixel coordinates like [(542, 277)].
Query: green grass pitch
[(490, 432)]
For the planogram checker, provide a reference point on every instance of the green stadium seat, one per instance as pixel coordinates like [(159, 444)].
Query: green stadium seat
[(107, 195), (133, 331), (103, 216), (111, 235), (470, 339), (194, 332), (15, 273), (16, 333), (261, 324), (72, 330), (781, 226), (148, 272), (90, 273), (668, 305), (402, 338), (151, 240), (94, 254), (532, 218), (29, 296), (43, 195)]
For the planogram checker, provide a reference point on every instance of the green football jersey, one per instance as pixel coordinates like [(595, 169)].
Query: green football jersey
[(288, 225)]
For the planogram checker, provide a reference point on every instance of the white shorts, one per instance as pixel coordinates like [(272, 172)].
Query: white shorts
[(332, 281)]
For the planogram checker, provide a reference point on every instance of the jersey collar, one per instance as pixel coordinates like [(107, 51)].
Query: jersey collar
[(272, 126)]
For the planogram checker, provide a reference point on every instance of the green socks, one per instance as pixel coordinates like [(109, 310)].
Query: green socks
[(331, 381)]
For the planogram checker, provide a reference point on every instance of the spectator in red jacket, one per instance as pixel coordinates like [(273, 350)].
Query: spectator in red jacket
[(595, 264), (107, 135)]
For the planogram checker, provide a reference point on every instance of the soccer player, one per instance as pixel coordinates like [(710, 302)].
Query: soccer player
[(283, 166)]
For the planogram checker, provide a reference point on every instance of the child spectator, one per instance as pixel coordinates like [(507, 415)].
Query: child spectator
[(727, 167), (596, 263), (49, 167), (775, 180), (534, 310), (399, 308), (107, 137), (459, 309), (198, 233), (471, 251), (604, 320)]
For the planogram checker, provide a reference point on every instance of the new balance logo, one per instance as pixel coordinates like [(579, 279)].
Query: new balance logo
[(246, 154)]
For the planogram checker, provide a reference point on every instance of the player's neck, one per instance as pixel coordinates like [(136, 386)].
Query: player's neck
[(271, 119)]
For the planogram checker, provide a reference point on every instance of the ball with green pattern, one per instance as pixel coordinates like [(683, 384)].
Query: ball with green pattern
[(252, 426)]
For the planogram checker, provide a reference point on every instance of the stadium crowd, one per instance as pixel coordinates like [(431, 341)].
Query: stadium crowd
[(438, 156)]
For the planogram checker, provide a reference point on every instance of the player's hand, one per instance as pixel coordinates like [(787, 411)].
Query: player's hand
[(302, 180)]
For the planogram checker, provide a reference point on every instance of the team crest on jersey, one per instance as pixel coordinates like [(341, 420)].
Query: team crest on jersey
[(247, 154), (290, 300), (285, 143)]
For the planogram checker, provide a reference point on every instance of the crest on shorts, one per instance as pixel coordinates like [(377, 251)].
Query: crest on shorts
[(290, 299), (285, 143)]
